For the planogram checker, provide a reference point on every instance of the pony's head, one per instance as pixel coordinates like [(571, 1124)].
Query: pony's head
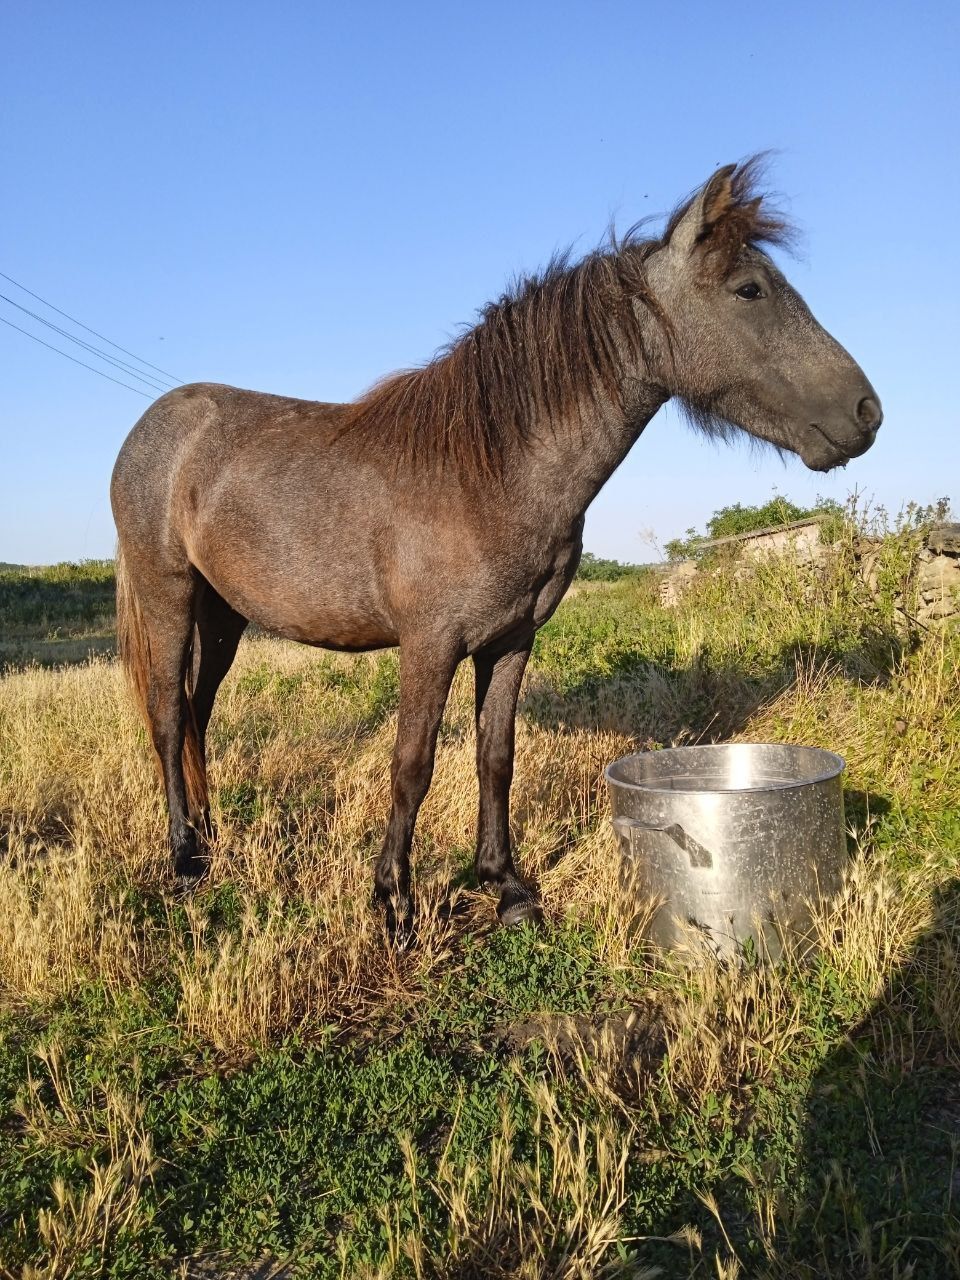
[(743, 349)]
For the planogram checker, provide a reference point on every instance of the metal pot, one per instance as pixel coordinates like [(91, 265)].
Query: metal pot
[(733, 840)]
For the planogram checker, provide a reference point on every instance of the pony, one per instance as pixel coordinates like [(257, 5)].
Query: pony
[(443, 510)]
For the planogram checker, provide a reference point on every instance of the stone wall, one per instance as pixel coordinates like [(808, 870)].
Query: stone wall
[(938, 573), (802, 539)]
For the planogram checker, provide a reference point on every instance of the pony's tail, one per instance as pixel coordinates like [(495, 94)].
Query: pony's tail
[(133, 642)]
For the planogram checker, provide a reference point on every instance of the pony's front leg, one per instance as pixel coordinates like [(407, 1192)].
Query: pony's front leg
[(498, 681), (426, 673)]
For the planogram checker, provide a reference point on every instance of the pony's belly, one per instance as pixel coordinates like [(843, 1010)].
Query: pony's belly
[(350, 629), (315, 616), (356, 638)]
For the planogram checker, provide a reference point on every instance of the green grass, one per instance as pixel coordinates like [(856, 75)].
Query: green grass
[(298, 1150)]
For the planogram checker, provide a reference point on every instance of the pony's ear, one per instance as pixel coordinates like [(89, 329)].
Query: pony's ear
[(707, 208)]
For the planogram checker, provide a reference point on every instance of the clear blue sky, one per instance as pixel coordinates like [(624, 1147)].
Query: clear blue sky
[(300, 198)]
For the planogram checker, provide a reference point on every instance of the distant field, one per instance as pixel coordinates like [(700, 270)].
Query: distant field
[(62, 613), (249, 1076)]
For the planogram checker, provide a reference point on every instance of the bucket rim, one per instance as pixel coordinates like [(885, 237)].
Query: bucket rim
[(836, 767)]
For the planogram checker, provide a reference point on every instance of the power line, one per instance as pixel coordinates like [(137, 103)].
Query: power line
[(73, 320), (147, 379), (88, 346), (67, 356)]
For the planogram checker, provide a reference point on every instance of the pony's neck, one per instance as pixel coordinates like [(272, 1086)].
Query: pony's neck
[(567, 462)]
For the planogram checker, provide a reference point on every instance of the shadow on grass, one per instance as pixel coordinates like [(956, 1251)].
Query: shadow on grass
[(668, 701), (881, 1173), (863, 1176)]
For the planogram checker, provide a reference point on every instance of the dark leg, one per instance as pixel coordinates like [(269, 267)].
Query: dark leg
[(168, 618), (498, 687), (425, 677), (219, 628)]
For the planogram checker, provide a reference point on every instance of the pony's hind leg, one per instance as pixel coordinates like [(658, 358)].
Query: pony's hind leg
[(184, 775), (219, 628), (498, 680), (155, 624)]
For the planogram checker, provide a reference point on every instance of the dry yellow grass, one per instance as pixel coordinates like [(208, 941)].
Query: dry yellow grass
[(553, 1216), (80, 1225), (86, 816)]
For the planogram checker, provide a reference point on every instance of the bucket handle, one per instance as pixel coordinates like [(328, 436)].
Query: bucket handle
[(698, 855)]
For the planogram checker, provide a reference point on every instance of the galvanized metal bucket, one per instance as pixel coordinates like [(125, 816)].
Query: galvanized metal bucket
[(734, 841)]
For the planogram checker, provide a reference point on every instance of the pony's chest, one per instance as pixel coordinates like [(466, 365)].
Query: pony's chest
[(523, 599)]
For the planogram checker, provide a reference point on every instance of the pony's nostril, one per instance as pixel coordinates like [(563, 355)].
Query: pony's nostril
[(869, 413)]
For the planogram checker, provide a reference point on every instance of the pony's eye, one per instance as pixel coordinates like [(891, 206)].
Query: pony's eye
[(749, 291)]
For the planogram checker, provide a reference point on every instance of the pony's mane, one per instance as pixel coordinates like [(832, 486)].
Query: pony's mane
[(552, 342)]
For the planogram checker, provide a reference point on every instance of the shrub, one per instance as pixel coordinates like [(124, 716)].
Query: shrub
[(596, 569)]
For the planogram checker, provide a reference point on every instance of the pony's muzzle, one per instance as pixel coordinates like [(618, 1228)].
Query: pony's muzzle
[(856, 436)]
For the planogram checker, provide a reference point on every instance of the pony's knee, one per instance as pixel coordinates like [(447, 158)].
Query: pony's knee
[(411, 779)]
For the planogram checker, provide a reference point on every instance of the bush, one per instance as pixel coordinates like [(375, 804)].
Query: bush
[(595, 569)]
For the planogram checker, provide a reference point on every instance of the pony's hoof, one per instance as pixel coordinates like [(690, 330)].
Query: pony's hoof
[(517, 906), (398, 924), (189, 869), (403, 936)]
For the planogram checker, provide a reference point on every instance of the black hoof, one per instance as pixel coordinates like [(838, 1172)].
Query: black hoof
[(398, 922), (190, 867), (518, 905), (402, 935)]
